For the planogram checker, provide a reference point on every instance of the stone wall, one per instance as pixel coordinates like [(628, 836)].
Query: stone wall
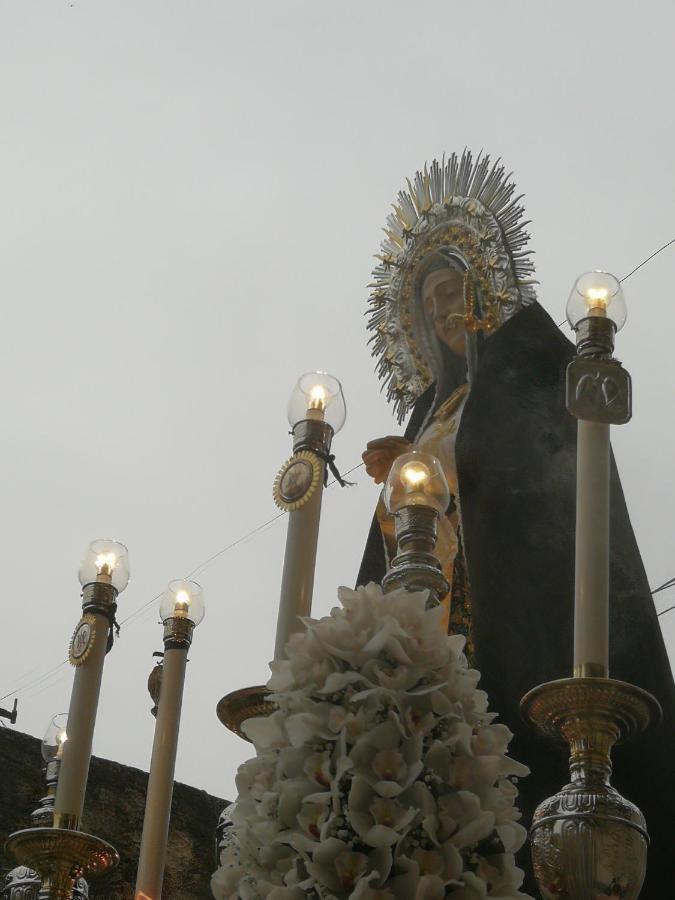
[(114, 811)]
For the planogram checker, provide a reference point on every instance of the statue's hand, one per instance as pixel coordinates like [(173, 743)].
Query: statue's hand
[(380, 454)]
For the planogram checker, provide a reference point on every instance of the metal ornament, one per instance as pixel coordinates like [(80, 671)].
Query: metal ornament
[(83, 639), (588, 841), (21, 883), (62, 857), (101, 598), (178, 633), (415, 567), (155, 686), (44, 814), (463, 212), (235, 708), (297, 480), (599, 390), (24, 883)]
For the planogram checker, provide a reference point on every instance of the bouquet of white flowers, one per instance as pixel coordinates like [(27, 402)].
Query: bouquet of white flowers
[(380, 775)]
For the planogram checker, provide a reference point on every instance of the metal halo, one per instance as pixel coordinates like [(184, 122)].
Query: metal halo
[(463, 208), (294, 495)]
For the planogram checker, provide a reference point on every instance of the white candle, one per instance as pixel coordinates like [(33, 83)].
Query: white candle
[(591, 600), (297, 580), (104, 574), (152, 858), (81, 721)]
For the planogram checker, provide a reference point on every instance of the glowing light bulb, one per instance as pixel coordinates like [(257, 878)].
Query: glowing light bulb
[(105, 561), (182, 600), (597, 294), (55, 737), (414, 474), (417, 479), (597, 297), (61, 738), (182, 604), (317, 395)]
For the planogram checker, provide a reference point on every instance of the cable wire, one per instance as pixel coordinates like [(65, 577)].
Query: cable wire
[(662, 587), (645, 261), (138, 613), (666, 584)]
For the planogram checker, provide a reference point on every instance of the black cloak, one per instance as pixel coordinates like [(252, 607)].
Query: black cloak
[(516, 469)]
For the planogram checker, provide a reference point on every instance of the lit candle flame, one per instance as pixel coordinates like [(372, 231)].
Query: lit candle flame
[(182, 604), (597, 297), (317, 397), (414, 474), (105, 563), (61, 738)]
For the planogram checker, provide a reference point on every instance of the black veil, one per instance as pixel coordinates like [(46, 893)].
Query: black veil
[(516, 468)]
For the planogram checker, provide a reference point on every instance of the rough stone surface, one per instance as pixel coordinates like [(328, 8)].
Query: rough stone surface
[(114, 811)]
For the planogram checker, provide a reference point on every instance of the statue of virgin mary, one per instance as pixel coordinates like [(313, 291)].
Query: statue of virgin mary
[(465, 348)]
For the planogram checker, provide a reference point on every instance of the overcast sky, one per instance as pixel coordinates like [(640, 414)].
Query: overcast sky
[(191, 194)]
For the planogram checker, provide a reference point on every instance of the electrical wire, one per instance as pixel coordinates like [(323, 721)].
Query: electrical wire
[(666, 584), (645, 261), (57, 680), (662, 587), (39, 680), (139, 613), (633, 271)]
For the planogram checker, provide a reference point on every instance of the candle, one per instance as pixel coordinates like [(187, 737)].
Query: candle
[(181, 609), (596, 310), (152, 857), (297, 579), (103, 574), (317, 403), (316, 411), (591, 589)]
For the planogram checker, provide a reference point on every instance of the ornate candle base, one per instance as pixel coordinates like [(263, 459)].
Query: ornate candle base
[(588, 841), (235, 708), (61, 857), (21, 883)]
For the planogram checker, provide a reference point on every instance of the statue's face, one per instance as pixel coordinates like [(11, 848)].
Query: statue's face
[(443, 300)]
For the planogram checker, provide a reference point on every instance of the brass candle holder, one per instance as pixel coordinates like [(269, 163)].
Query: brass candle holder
[(415, 566), (61, 856), (236, 707), (416, 494), (588, 841), (23, 883)]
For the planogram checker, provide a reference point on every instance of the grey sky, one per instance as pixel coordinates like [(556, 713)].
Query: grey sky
[(191, 194)]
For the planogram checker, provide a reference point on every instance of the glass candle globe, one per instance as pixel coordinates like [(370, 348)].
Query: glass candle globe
[(182, 600), (417, 479), (106, 561), (318, 395), (597, 294), (55, 737)]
